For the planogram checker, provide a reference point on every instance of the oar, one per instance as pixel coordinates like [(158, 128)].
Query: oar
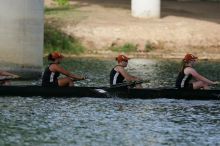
[(125, 84)]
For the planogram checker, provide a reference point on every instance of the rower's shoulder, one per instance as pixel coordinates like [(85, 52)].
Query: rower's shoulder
[(54, 66), (189, 70), (119, 67)]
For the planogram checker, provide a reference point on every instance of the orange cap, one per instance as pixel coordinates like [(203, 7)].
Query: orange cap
[(189, 57), (121, 58), (56, 55)]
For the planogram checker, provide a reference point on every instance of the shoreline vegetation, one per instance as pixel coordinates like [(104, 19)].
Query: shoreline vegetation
[(56, 38)]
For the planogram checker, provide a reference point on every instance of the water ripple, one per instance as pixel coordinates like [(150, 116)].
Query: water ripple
[(88, 121)]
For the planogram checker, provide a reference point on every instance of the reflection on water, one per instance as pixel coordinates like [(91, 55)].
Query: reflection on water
[(87, 121)]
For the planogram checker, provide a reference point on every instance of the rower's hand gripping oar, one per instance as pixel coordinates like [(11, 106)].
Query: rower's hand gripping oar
[(215, 85), (84, 78)]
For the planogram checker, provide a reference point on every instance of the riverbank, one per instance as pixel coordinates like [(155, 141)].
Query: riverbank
[(152, 55), (100, 25)]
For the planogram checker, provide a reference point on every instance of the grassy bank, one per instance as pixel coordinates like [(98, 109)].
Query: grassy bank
[(130, 47), (56, 40)]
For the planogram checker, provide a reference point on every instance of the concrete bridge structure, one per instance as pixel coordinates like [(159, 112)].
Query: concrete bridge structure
[(21, 36), (145, 8)]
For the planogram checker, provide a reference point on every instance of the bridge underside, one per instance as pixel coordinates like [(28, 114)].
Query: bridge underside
[(21, 35)]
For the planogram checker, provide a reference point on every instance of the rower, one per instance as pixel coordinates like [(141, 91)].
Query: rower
[(6, 77), (187, 73), (53, 70), (118, 74)]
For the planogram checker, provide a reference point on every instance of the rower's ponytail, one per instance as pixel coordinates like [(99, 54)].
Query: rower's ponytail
[(50, 57), (183, 65)]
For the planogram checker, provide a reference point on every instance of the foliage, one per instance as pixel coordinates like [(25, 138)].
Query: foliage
[(54, 39), (57, 10), (62, 2), (128, 47), (150, 46)]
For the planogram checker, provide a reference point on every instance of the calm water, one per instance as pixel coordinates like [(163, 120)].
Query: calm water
[(113, 122)]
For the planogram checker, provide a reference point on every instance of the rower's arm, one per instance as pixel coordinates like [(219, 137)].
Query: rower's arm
[(5, 73), (199, 77), (1, 72), (65, 72), (126, 75)]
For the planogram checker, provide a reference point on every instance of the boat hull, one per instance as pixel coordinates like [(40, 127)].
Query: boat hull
[(106, 92), (176, 94)]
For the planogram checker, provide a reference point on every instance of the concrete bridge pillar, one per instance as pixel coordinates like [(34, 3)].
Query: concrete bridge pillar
[(21, 36), (145, 8)]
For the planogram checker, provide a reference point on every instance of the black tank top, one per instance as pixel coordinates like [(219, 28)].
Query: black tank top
[(183, 80), (115, 77), (50, 78)]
